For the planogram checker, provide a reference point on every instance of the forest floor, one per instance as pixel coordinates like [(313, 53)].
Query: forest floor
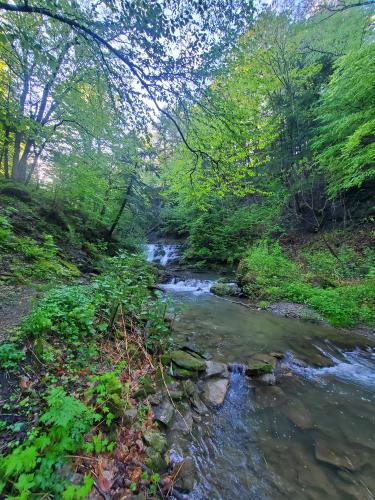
[(15, 304)]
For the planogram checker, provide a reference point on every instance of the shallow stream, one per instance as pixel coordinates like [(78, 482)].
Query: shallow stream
[(312, 436)]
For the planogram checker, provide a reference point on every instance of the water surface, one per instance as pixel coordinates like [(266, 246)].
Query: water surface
[(310, 437)]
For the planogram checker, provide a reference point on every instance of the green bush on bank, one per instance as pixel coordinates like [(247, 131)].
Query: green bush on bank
[(75, 313), (267, 274)]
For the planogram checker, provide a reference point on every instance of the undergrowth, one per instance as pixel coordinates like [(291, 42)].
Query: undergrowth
[(90, 347), (25, 258), (341, 288)]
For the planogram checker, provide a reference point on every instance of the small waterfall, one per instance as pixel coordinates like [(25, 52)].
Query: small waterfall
[(162, 254), (188, 285), (237, 368)]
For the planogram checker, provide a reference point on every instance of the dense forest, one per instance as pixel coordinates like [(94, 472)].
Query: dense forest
[(242, 133)]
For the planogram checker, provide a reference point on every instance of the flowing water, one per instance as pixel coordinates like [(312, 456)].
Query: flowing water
[(312, 436)]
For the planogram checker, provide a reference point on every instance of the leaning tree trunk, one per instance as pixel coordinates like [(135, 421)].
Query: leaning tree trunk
[(121, 210)]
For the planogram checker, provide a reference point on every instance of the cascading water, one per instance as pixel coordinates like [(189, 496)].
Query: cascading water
[(161, 253), (196, 286)]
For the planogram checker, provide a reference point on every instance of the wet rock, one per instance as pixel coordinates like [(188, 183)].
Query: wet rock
[(303, 471), (257, 369), (338, 453), (186, 475), (164, 412), (222, 289), (269, 396), (216, 369), (215, 390), (192, 348), (263, 358), (183, 421), (187, 361), (268, 379), (298, 414), (260, 364), (346, 476), (198, 405), (277, 355)]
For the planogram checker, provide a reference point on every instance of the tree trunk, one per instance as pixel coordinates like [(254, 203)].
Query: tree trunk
[(6, 153), (122, 208)]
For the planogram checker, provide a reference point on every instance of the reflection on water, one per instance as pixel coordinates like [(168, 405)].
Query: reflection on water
[(311, 436)]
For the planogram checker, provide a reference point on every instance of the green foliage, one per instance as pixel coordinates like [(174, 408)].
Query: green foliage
[(5, 230), (75, 313), (109, 394), (346, 141), (68, 312), (224, 233), (10, 356), (32, 468), (267, 274), (265, 269)]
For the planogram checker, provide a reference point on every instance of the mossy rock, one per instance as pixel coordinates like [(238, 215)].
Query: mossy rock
[(72, 268), (156, 445), (258, 368), (179, 372), (222, 289), (189, 387), (187, 361)]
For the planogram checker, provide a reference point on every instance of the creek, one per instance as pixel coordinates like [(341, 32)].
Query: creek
[(311, 436)]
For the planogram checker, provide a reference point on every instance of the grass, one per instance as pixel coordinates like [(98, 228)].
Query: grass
[(341, 288)]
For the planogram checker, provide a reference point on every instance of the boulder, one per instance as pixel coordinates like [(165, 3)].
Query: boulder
[(164, 412), (187, 361), (260, 364), (183, 422), (185, 475), (222, 289), (216, 369), (215, 390), (198, 405)]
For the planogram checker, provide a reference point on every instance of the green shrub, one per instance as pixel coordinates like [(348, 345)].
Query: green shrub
[(68, 311), (74, 313), (265, 270), (10, 356), (267, 273), (32, 469)]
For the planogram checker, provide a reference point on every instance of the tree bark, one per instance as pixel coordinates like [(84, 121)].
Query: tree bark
[(6, 153), (121, 210)]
